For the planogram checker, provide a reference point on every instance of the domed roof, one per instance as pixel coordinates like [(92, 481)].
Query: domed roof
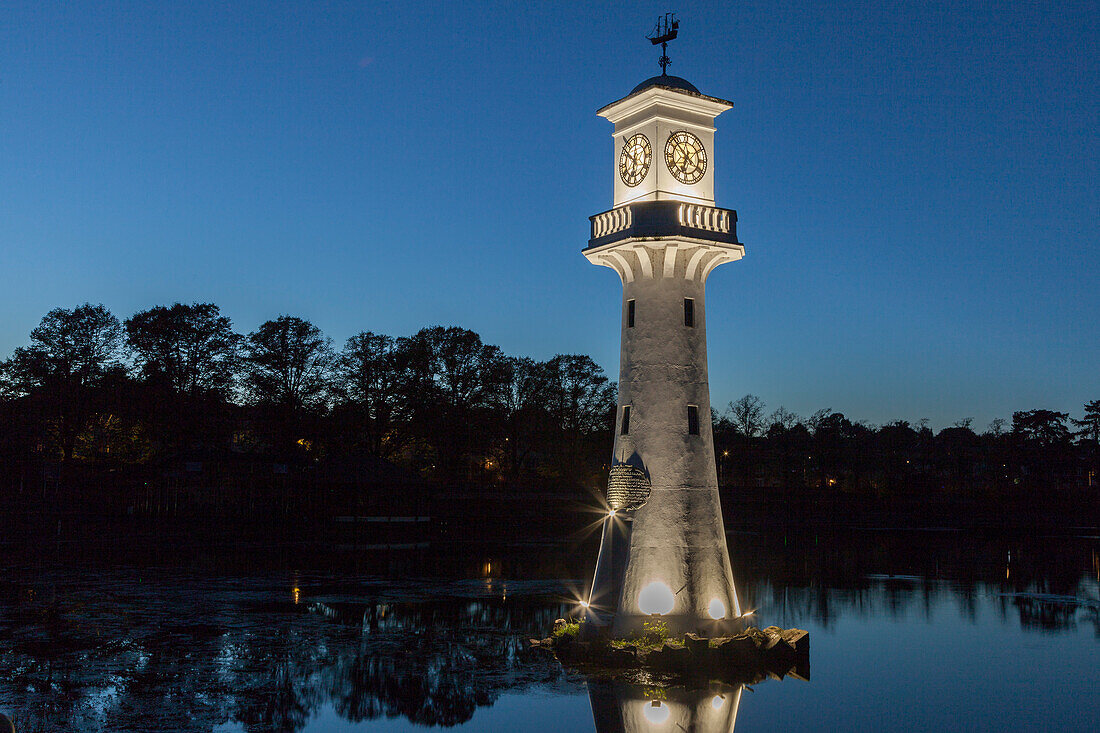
[(669, 82)]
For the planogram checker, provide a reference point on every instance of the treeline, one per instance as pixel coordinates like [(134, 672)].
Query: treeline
[(1041, 460), (177, 382), (175, 388)]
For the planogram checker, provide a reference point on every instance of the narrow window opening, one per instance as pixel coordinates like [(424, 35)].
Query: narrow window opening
[(625, 429), (693, 420), (689, 312), (630, 314)]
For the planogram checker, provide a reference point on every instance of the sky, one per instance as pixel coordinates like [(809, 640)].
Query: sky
[(917, 184)]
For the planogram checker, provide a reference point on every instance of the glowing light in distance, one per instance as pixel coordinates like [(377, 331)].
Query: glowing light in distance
[(716, 609), (611, 513), (584, 603), (656, 598), (748, 613), (656, 712), (717, 702)]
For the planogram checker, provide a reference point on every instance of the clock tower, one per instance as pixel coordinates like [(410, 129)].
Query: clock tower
[(663, 551), (662, 140)]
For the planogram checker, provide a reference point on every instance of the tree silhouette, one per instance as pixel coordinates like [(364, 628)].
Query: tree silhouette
[(747, 416), (187, 357), (454, 385), (191, 348), (71, 352), (581, 402), (1044, 427), (366, 383), (287, 362), (1089, 438), (746, 419), (286, 373), (784, 418), (1042, 441), (529, 423), (1090, 424), (578, 393)]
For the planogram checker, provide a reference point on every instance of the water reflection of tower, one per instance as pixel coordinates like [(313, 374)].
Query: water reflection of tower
[(664, 551), (618, 707)]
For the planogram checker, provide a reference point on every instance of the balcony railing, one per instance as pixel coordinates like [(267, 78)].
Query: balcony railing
[(612, 221), (704, 217), (649, 219)]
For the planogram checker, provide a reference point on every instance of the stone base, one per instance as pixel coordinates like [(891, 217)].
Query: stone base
[(746, 657)]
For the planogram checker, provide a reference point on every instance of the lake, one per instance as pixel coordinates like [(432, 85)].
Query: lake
[(910, 631)]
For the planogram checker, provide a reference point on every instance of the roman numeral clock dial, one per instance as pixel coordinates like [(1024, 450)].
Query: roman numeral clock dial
[(686, 158), (634, 160)]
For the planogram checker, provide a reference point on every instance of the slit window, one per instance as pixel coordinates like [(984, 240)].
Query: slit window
[(693, 420), (624, 429), (689, 312), (630, 313)]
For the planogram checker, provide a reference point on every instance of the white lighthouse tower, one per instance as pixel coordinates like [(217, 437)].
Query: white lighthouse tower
[(664, 547)]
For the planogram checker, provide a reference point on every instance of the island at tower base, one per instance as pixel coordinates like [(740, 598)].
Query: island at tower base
[(744, 658)]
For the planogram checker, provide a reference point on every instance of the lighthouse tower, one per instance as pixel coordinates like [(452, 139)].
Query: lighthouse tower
[(663, 552)]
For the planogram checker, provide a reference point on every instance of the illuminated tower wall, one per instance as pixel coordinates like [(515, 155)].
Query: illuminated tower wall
[(664, 237)]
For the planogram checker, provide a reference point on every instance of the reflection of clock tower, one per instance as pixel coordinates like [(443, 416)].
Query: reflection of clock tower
[(664, 546)]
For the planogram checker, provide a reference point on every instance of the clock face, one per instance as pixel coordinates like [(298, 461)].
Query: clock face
[(634, 160), (685, 156)]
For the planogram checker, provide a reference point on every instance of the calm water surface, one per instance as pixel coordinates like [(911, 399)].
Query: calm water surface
[(910, 631)]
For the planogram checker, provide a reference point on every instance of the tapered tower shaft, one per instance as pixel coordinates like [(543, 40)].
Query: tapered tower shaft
[(664, 238)]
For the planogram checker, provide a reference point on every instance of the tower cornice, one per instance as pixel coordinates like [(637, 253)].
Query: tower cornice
[(679, 99), (685, 258)]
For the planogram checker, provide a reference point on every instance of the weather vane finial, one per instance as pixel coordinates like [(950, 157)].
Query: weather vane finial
[(663, 32)]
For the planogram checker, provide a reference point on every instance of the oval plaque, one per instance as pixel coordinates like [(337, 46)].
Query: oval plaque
[(627, 487)]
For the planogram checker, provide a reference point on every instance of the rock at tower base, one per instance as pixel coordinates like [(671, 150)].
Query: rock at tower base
[(750, 655)]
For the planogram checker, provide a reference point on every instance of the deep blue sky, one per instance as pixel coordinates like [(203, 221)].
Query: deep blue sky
[(916, 183)]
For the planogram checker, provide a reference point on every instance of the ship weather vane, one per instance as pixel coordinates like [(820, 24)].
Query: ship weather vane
[(663, 32)]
